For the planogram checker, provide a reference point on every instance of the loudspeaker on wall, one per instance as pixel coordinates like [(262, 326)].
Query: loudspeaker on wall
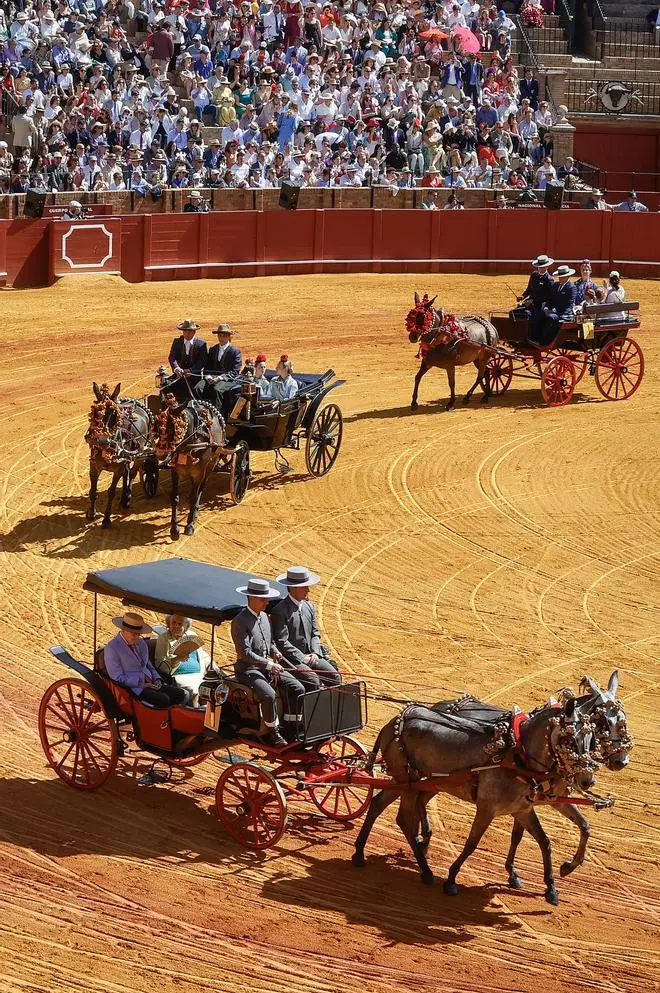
[(289, 193), (35, 201), (554, 196)]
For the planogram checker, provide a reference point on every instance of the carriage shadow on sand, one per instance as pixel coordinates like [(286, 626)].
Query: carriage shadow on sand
[(530, 399), (68, 534)]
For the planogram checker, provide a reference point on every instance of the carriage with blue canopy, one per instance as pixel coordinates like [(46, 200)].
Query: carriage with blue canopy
[(88, 722), (256, 423)]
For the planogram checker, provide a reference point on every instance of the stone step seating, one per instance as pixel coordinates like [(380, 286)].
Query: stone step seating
[(600, 72), (618, 63)]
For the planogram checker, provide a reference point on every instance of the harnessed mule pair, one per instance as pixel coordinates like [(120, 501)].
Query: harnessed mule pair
[(448, 342), (501, 762), (119, 439)]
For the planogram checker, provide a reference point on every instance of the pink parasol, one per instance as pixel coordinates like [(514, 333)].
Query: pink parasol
[(468, 41)]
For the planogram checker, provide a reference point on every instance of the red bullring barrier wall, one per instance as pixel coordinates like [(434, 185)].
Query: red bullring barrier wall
[(249, 243)]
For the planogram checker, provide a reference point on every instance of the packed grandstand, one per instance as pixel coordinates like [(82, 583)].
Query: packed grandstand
[(192, 95)]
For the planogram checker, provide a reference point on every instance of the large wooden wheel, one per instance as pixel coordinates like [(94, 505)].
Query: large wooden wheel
[(239, 474), (619, 369), (579, 360), (251, 805), (345, 802), (77, 736), (324, 440), (558, 381), (500, 368)]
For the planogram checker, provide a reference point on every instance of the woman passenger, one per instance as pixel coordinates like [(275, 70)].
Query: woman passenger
[(283, 386), (586, 290), (171, 659)]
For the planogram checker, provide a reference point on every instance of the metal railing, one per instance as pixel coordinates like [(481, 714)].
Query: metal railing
[(589, 173), (598, 96), (527, 55), (8, 107)]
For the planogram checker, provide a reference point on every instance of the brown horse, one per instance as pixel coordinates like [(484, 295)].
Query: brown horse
[(447, 342), (190, 438), (119, 439)]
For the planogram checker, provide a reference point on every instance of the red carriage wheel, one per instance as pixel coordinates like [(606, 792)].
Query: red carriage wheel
[(619, 369), (345, 802), (500, 368), (77, 736), (579, 360), (251, 805), (558, 381)]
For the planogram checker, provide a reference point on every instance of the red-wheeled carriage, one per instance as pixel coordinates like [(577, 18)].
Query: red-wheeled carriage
[(595, 342), (88, 722)]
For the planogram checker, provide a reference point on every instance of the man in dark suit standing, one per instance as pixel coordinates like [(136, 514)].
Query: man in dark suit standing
[(297, 634), (529, 88), (188, 353), (222, 366)]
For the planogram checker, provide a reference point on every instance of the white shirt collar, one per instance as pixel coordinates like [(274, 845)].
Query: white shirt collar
[(254, 613), (222, 349)]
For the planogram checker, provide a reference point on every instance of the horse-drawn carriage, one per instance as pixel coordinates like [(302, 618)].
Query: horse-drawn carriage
[(173, 428), (87, 722), (503, 761), (594, 341)]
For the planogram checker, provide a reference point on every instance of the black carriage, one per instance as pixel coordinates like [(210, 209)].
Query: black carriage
[(256, 423), (594, 341), (87, 721)]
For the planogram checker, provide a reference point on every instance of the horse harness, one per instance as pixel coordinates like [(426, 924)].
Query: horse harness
[(569, 747), (112, 447)]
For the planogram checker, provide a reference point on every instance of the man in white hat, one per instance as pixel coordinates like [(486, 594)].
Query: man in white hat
[(223, 365), (126, 658), (260, 665), (560, 307), (537, 291), (297, 634)]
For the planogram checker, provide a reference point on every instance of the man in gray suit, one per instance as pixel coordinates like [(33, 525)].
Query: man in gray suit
[(297, 634), (259, 664)]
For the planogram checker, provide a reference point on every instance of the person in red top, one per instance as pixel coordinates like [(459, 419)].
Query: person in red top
[(160, 47), (432, 179)]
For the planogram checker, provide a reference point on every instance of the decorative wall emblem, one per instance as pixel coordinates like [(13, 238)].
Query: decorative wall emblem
[(613, 97), (77, 244)]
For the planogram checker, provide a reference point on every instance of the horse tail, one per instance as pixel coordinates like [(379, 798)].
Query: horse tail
[(373, 754)]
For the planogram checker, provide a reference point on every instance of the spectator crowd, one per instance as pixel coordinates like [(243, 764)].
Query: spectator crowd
[(141, 95)]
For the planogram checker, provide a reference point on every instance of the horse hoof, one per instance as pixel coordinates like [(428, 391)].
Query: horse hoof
[(485, 399), (174, 535), (427, 878), (449, 407), (515, 882), (358, 860), (106, 522), (451, 889), (90, 515), (566, 869), (414, 405), (189, 529), (467, 398), (552, 896)]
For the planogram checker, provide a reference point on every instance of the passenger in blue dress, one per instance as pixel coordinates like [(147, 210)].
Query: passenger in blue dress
[(127, 662), (283, 386), (586, 290)]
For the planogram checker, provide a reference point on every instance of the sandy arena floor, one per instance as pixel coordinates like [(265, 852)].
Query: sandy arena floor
[(504, 550)]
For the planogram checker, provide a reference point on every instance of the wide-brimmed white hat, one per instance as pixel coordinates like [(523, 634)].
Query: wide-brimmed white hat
[(130, 621), (563, 270), (298, 575), (259, 587), (543, 262)]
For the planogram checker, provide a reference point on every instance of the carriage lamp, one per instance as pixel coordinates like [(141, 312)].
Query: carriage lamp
[(161, 377)]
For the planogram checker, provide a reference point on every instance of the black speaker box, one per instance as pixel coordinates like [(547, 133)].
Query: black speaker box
[(289, 195), (554, 196), (35, 201)]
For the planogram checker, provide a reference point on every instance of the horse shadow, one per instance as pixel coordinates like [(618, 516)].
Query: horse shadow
[(71, 535), (411, 914), (122, 819)]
